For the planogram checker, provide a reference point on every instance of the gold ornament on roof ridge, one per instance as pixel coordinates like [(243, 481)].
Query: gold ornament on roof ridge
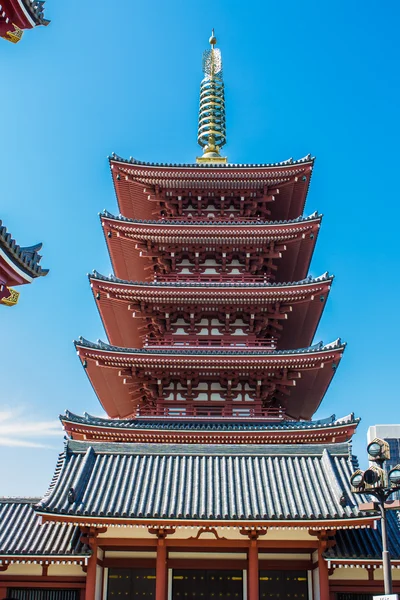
[(211, 134)]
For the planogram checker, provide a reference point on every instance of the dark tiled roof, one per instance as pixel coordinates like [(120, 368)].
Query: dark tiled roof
[(21, 533), (162, 284), (366, 543), (27, 258), (203, 482), (36, 10), (289, 162), (319, 347), (225, 425), (216, 223)]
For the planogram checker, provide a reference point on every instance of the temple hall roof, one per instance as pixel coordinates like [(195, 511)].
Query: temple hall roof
[(22, 534), (22, 262), (306, 484)]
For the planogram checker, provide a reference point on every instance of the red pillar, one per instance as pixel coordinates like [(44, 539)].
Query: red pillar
[(161, 569), (253, 580), (91, 572), (323, 573)]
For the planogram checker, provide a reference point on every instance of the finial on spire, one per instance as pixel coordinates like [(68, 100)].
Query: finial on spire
[(213, 39), (211, 132)]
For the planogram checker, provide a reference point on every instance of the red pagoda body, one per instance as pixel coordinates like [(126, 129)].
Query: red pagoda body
[(208, 478)]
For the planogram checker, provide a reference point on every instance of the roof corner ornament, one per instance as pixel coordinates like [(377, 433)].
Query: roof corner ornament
[(212, 131), (8, 296)]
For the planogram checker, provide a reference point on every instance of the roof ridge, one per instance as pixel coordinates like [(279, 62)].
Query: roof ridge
[(288, 162)]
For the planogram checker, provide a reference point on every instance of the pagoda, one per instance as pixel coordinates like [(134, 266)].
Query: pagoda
[(18, 15), (209, 479), (18, 266)]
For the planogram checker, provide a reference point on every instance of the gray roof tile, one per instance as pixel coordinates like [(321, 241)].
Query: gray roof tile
[(224, 425), (22, 534), (203, 482), (366, 543)]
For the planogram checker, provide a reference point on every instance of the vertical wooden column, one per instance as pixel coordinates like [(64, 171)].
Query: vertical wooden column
[(161, 562), (91, 570), (89, 537), (253, 582), (161, 569), (326, 540), (323, 572), (252, 573)]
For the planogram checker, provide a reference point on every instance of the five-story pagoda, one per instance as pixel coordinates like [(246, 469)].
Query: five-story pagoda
[(211, 262), (209, 478)]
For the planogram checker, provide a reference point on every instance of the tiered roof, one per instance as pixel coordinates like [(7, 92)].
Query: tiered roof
[(140, 186), (195, 431), (300, 304), (292, 242), (119, 374)]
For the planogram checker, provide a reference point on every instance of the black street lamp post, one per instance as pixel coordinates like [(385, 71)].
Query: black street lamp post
[(381, 485)]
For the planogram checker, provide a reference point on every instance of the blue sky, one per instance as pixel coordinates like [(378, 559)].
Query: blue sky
[(124, 77)]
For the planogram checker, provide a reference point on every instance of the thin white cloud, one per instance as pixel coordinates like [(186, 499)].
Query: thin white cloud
[(18, 430), (13, 443)]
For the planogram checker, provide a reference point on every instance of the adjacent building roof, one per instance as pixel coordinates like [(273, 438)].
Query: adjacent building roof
[(23, 536), (230, 430), (24, 14), (18, 264), (366, 544), (303, 484)]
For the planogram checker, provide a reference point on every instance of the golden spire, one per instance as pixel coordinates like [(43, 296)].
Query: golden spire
[(211, 132)]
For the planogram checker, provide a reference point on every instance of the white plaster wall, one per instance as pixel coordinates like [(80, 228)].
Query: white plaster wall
[(99, 582), (315, 579)]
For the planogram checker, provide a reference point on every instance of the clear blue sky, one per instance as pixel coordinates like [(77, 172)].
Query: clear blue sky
[(124, 77)]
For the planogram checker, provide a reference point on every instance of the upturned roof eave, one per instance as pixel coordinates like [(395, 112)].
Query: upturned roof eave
[(325, 278), (319, 348), (285, 523), (167, 223), (25, 259)]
